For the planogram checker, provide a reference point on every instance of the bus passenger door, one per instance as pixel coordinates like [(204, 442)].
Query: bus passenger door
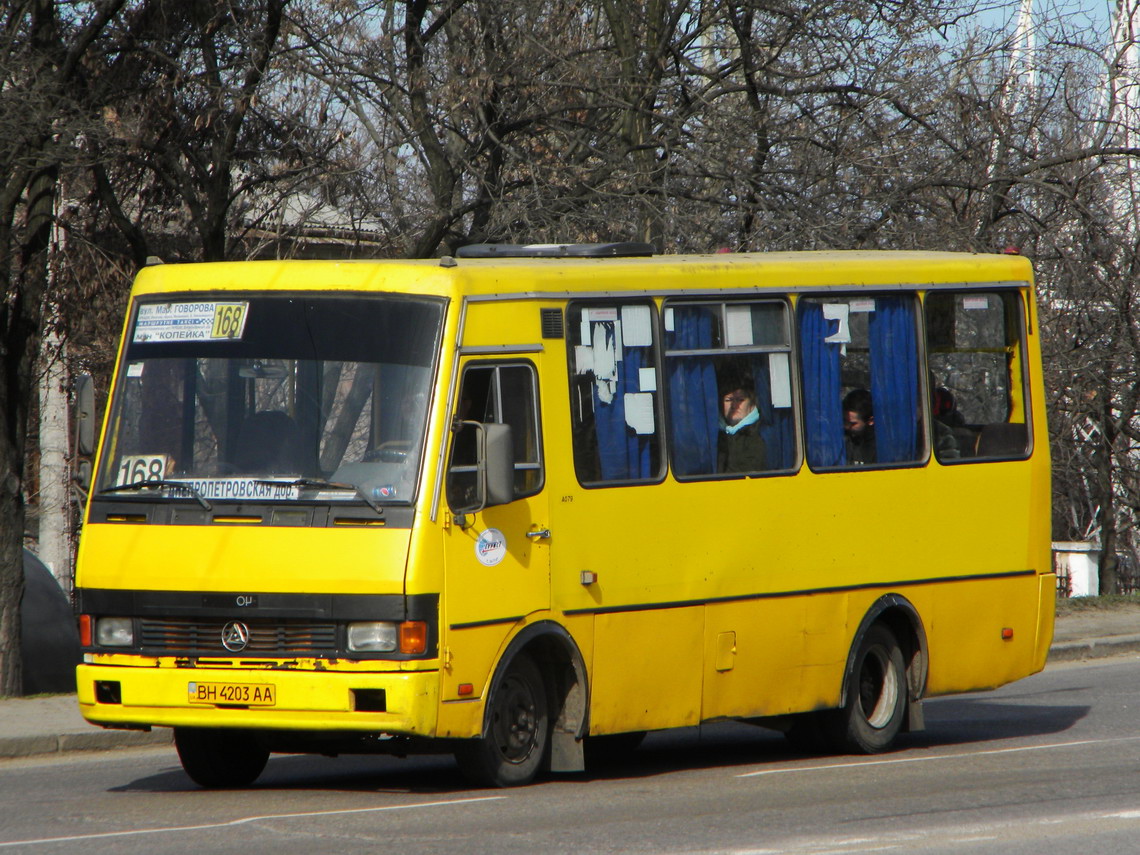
[(497, 561)]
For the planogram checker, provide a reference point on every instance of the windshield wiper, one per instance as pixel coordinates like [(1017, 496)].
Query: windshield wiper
[(159, 483), (324, 483)]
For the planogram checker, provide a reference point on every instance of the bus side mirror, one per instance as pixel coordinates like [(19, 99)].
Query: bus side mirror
[(491, 480), (85, 415), (497, 465), (84, 419)]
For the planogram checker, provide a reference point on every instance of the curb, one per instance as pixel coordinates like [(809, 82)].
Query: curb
[(1094, 648), (97, 740)]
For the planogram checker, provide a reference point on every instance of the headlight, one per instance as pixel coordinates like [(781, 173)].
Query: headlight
[(114, 632), (372, 637)]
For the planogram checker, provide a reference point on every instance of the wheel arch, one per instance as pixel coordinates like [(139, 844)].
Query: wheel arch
[(563, 669), (899, 615)]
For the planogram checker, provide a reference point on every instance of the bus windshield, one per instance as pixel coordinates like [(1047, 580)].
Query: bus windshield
[(253, 398)]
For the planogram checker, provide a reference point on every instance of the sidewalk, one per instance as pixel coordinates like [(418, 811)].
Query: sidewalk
[(53, 725), (1095, 634)]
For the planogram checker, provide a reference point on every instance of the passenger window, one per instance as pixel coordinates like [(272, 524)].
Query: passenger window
[(860, 369), (613, 385), (728, 374), (502, 393), (974, 342)]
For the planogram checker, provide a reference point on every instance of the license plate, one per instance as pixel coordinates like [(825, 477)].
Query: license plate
[(245, 694)]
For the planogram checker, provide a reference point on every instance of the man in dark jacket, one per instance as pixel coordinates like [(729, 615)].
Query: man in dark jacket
[(739, 447), (859, 427)]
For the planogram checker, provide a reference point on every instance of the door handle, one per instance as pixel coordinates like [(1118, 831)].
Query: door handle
[(539, 534)]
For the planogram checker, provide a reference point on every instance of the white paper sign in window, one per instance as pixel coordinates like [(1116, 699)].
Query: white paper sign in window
[(738, 326), (206, 321), (840, 312), (639, 412), (636, 326), (780, 377)]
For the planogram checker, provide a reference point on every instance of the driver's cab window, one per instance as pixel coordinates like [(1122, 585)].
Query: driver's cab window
[(499, 393)]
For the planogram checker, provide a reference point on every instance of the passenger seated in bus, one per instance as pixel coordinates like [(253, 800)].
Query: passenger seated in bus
[(859, 427), (949, 420), (269, 442), (945, 443), (739, 446)]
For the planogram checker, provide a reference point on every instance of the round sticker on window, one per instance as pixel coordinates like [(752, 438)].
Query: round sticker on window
[(491, 547)]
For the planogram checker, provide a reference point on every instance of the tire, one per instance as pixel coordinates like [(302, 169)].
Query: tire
[(876, 701), (220, 759), (518, 731)]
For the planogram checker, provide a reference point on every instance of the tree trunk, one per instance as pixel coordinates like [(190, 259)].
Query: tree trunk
[(21, 329), (54, 504), (11, 571), (1103, 461)]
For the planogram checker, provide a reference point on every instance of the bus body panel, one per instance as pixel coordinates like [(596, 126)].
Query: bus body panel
[(965, 625), (304, 700), (636, 689), (244, 559)]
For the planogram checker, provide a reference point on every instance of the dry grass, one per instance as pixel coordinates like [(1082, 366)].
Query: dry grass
[(1070, 605)]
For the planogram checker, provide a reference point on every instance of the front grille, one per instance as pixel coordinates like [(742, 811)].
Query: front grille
[(266, 637)]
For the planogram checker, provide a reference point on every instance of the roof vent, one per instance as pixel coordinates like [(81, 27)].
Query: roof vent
[(625, 249)]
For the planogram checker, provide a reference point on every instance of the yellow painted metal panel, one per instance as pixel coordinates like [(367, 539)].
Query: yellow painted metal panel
[(647, 670), (660, 274), (773, 652), (1046, 617), (469, 658), (967, 650), (228, 558), (315, 700)]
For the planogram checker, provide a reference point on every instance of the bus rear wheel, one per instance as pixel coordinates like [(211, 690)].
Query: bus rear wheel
[(876, 701), (220, 759), (518, 731)]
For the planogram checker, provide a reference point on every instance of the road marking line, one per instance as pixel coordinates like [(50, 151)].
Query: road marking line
[(859, 764), (243, 821)]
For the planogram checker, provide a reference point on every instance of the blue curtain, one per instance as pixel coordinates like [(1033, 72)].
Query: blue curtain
[(894, 379), (693, 398), (776, 425), (622, 454), (822, 390)]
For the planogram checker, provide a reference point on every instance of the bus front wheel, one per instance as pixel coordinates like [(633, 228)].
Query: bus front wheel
[(517, 734), (873, 713), (220, 759)]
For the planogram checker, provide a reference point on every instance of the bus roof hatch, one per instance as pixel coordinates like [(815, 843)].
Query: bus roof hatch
[(623, 249)]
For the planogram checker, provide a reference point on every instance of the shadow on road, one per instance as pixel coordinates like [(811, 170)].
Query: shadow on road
[(949, 722), (953, 721)]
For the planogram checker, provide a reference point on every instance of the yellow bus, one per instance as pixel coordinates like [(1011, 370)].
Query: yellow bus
[(510, 502)]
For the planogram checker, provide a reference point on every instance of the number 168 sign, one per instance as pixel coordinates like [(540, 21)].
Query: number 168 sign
[(229, 320), (136, 468)]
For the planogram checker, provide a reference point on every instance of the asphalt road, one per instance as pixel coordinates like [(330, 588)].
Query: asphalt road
[(1047, 764)]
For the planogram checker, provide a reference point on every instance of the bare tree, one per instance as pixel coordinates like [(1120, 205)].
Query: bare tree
[(198, 129), (42, 79)]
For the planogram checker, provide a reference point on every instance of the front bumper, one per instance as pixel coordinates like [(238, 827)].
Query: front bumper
[(397, 703)]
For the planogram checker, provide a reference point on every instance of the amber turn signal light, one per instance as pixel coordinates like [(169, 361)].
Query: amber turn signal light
[(413, 636)]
